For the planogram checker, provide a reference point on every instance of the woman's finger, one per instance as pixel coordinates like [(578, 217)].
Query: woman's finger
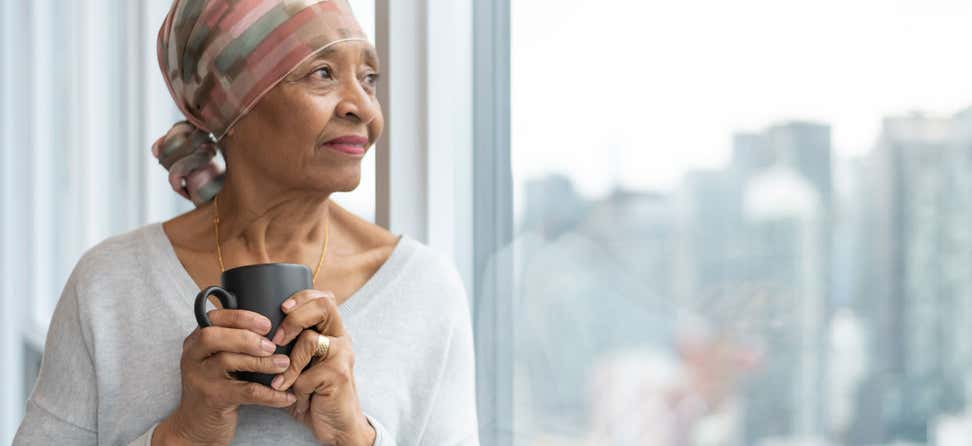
[(319, 313), (301, 297), (247, 320), (301, 355), (207, 341), (237, 362), (325, 376), (243, 392), (324, 379)]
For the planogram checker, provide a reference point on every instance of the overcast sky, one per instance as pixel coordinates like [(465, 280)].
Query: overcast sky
[(648, 89)]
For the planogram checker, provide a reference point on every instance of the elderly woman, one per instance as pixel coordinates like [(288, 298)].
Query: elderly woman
[(286, 90)]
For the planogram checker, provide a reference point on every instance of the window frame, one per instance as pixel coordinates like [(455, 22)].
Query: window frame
[(423, 160), (15, 234), (493, 220)]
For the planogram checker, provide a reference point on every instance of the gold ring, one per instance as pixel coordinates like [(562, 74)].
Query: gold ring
[(323, 345)]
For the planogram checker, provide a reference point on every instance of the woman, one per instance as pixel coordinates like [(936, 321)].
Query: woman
[(286, 90)]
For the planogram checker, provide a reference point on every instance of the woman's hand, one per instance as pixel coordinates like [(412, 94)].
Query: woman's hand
[(327, 400), (207, 412)]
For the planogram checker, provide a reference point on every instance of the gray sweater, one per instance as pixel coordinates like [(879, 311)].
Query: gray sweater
[(110, 370)]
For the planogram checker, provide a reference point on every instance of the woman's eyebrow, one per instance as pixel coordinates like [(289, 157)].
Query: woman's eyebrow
[(368, 54)]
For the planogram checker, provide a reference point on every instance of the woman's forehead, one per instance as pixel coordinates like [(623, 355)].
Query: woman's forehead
[(360, 51)]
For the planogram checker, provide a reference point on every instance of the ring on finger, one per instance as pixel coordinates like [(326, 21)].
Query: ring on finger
[(323, 345)]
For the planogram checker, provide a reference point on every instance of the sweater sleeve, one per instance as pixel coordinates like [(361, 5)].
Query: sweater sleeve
[(41, 427), (382, 436), (146, 438), (63, 405), (452, 419)]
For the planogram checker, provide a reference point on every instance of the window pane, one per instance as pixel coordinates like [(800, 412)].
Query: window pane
[(742, 223)]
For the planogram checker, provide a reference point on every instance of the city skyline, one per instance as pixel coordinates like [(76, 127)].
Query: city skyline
[(855, 298), (840, 165)]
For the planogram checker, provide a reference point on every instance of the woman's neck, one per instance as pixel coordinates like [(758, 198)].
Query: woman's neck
[(271, 224)]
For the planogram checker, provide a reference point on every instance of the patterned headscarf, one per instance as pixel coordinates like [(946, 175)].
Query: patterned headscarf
[(219, 57)]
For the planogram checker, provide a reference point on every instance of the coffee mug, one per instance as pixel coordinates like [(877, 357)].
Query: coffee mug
[(259, 288)]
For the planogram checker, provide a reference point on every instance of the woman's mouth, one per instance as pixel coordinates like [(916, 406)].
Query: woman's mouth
[(350, 145)]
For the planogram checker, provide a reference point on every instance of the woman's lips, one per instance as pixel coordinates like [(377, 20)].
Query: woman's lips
[(346, 148), (351, 145)]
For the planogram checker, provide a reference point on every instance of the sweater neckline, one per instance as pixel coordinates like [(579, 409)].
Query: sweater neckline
[(392, 268)]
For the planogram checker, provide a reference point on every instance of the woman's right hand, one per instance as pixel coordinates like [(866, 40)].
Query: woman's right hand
[(207, 412)]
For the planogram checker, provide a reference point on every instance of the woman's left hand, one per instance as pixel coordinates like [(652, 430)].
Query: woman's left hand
[(327, 400)]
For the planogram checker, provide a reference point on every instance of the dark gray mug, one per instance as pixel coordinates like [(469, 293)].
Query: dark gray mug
[(259, 288)]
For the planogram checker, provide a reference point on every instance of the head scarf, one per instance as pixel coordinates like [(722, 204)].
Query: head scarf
[(219, 57)]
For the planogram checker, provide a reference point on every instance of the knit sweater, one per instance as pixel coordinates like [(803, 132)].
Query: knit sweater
[(110, 370)]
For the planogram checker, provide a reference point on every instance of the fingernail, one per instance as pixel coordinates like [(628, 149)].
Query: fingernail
[(288, 304), (277, 382), (291, 398), (278, 338), (267, 346), (281, 361), (264, 325)]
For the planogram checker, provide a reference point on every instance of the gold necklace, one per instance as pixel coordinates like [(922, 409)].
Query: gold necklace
[(219, 252)]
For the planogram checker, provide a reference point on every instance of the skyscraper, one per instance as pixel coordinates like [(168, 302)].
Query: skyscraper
[(917, 273)]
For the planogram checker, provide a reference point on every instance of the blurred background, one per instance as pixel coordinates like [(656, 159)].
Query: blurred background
[(742, 223), (734, 223)]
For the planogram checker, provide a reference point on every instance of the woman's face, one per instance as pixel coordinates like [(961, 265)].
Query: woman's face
[(331, 95)]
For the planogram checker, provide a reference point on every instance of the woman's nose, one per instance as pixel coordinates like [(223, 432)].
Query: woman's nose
[(356, 103)]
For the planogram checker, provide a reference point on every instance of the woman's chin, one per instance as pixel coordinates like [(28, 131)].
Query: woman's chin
[(348, 188), (345, 183)]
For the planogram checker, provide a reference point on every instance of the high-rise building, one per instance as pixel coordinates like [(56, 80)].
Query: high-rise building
[(917, 275), (751, 153), (806, 148), (756, 259)]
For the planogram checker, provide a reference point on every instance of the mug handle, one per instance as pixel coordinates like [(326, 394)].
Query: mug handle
[(225, 297)]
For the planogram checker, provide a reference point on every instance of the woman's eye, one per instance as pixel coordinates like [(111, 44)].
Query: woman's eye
[(373, 78), (325, 70)]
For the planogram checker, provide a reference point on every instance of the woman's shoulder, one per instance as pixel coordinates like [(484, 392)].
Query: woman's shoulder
[(432, 264), (116, 256), (432, 276)]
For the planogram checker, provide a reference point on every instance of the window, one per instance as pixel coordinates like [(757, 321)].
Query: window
[(732, 227)]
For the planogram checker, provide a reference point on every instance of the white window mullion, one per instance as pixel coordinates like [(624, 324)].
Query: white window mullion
[(493, 217), (74, 149), (449, 130), (135, 73), (401, 194), (43, 140), (17, 285), (88, 141), (424, 159), (100, 125)]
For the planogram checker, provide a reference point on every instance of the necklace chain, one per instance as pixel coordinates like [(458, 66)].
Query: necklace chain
[(219, 252)]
